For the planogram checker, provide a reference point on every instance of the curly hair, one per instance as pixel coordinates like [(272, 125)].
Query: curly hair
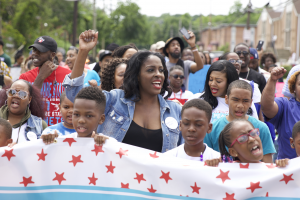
[(92, 93), (200, 104), (119, 52), (108, 74), (131, 84), (292, 82), (265, 56), (36, 104)]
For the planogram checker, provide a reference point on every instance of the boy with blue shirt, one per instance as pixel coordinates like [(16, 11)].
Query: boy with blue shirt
[(239, 99), (66, 110)]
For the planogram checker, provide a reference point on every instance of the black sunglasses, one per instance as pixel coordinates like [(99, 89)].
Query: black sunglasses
[(245, 53), (176, 76)]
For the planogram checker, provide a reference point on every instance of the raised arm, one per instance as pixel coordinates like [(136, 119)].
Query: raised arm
[(199, 63), (87, 41), (268, 105)]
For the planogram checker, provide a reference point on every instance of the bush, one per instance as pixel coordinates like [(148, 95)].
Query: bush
[(288, 69)]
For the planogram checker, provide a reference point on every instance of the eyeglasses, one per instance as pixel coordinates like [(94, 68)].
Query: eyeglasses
[(176, 76), (12, 92), (245, 53), (235, 61), (245, 137)]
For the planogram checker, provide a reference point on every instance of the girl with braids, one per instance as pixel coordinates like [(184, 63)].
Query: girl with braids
[(240, 140), (113, 74), (138, 114), (21, 105)]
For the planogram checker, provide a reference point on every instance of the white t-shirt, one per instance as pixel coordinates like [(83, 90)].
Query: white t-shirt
[(179, 152), (15, 133), (184, 95), (256, 92), (222, 109)]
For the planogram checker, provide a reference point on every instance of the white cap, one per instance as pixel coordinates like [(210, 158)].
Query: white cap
[(160, 44), (153, 47)]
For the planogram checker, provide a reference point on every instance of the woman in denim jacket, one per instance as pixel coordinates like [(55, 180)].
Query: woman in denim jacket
[(138, 114), (21, 104)]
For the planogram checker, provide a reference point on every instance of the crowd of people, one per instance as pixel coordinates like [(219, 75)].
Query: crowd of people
[(142, 98)]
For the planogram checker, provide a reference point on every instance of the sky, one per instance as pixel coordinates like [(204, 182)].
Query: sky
[(193, 7)]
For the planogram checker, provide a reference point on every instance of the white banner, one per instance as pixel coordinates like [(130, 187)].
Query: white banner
[(77, 169)]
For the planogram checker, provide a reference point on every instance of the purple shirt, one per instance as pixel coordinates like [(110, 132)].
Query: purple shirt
[(288, 114)]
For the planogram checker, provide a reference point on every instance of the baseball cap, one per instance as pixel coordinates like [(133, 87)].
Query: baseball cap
[(254, 53), (44, 44), (169, 41), (103, 54), (160, 44)]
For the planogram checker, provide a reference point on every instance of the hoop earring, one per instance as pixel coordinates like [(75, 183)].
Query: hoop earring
[(5, 102)]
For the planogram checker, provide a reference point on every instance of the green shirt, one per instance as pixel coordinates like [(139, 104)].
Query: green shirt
[(5, 58)]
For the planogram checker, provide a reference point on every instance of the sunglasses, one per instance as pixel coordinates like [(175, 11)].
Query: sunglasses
[(235, 61), (176, 76), (12, 92), (245, 53), (245, 137)]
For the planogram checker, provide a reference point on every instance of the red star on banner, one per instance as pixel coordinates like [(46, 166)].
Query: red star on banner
[(205, 164), (59, 177), (286, 178), (165, 176), (139, 177), (271, 166), (26, 181), (122, 152), (246, 166), (267, 195), (93, 179), (229, 197), (151, 189), (110, 168), (75, 160), (254, 186), (224, 176), (69, 140), (195, 188), (125, 185), (8, 154), (97, 149), (154, 155), (42, 155)]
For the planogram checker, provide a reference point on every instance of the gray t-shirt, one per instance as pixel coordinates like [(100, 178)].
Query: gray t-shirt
[(187, 70)]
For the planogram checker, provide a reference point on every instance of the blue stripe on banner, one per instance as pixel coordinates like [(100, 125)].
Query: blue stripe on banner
[(80, 192)]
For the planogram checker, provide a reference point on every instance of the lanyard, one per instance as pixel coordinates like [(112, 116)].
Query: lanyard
[(180, 95)]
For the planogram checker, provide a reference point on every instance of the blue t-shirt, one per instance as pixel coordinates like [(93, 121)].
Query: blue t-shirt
[(60, 128), (288, 114), (91, 75), (212, 139)]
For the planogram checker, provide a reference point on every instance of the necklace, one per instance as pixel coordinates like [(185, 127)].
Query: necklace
[(247, 74)]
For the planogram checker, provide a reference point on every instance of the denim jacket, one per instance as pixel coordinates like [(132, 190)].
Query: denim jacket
[(34, 124), (119, 113)]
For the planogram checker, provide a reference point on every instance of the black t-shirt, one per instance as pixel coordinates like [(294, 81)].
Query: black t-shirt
[(145, 138), (256, 77), (1, 80)]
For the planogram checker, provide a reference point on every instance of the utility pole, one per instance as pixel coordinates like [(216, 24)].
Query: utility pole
[(75, 23), (94, 27), (200, 27), (249, 11)]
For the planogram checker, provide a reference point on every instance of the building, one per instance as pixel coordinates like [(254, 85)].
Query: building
[(227, 34), (280, 30)]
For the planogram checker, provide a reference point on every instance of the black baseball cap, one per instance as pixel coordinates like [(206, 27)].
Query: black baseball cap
[(103, 54), (169, 41), (44, 44)]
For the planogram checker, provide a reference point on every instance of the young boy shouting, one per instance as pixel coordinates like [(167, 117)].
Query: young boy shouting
[(88, 113), (194, 124), (239, 99), (66, 110), (5, 133)]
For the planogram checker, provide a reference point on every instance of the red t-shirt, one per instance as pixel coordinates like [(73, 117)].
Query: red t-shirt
[(50, 92)]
